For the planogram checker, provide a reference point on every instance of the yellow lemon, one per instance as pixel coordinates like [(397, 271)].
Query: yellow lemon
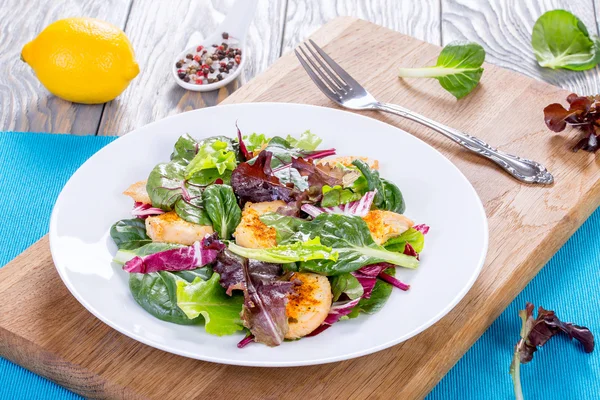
[(83, 60)]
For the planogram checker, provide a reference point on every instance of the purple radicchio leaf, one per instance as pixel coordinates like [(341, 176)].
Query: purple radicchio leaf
[(424, 229), (338, 310), (246, 341), (359, 207), (143, 210), (257, 183), (264, 309), (180, 259)]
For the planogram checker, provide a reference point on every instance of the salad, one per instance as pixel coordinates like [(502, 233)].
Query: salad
[(270, 236)]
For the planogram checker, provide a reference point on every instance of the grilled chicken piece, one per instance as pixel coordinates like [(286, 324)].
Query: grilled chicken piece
[(138, 192), (308, 305), (347, 161), (252, 232), (169, 228), (386, 224)]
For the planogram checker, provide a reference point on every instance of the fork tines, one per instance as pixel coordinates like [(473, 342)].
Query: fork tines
[(327, 75)]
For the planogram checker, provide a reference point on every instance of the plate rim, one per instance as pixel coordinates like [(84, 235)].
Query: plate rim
[(227, 361)]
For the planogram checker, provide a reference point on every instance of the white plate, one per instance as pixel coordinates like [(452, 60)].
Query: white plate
[(435, 191)]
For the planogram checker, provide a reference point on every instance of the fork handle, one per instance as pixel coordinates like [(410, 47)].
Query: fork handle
[(521, 168)]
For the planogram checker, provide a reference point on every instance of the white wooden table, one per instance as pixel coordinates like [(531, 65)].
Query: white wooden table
[(159, 29)]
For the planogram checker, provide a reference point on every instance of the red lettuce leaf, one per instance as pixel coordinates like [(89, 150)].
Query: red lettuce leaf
[(264, 309), (423, 228), (257, 183), (243, 149), (583, 112), (538, 331)]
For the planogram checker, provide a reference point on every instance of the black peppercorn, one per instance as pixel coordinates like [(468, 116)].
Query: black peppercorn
[(211, 69), (178, 65), (189, 56), (225, 35), (220, 77), (186, 79), (182, 75)]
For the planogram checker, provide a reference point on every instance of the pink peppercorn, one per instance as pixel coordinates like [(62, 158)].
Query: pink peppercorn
[(199, 48)]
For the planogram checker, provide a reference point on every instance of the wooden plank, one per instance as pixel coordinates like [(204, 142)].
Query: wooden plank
[(504, 29), (420, 19), (25, 105), (159, 30), (527, 225)]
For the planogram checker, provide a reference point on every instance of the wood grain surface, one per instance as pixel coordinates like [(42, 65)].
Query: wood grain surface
[(504, 28), (527, 225), (159, 30)]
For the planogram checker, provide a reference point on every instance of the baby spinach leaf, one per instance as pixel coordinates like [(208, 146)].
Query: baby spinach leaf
[(412, 236), (560, 40), (284, 226), (388, 196), (124, 255), (169, 190), (222, 208), (458, 68), (207, 298), (129, 234), (185, 149), (307, 141), (287, 253), (351, 238), (346, 284), (379, 296), (157, 294)]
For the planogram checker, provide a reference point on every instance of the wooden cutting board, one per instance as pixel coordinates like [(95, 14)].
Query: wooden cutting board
[(44, 329)]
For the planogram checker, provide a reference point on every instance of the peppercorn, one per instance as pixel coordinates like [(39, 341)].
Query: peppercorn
[(189, 56), (186, 79), (209, 61), (225, 35), (224, 45), (238, 59), (230, 65), (211, 69), (211, 80), (221, 69), (199, 48), (178, 65), (215, 45), (220, 77), (181, 75), (205, 71)]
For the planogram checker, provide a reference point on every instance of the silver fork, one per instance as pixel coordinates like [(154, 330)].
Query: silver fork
[(340, 87)]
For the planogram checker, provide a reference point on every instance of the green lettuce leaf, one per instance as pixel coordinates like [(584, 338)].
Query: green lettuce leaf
[(348, 284), (288, 253), (216, 154), (334, 196), (207, 298), (222, 207), (351, 238), (307, 141), (157, 293), (255, 141), (412, 236)]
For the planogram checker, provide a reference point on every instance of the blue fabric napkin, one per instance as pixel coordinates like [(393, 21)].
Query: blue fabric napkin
[(34, 168)]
